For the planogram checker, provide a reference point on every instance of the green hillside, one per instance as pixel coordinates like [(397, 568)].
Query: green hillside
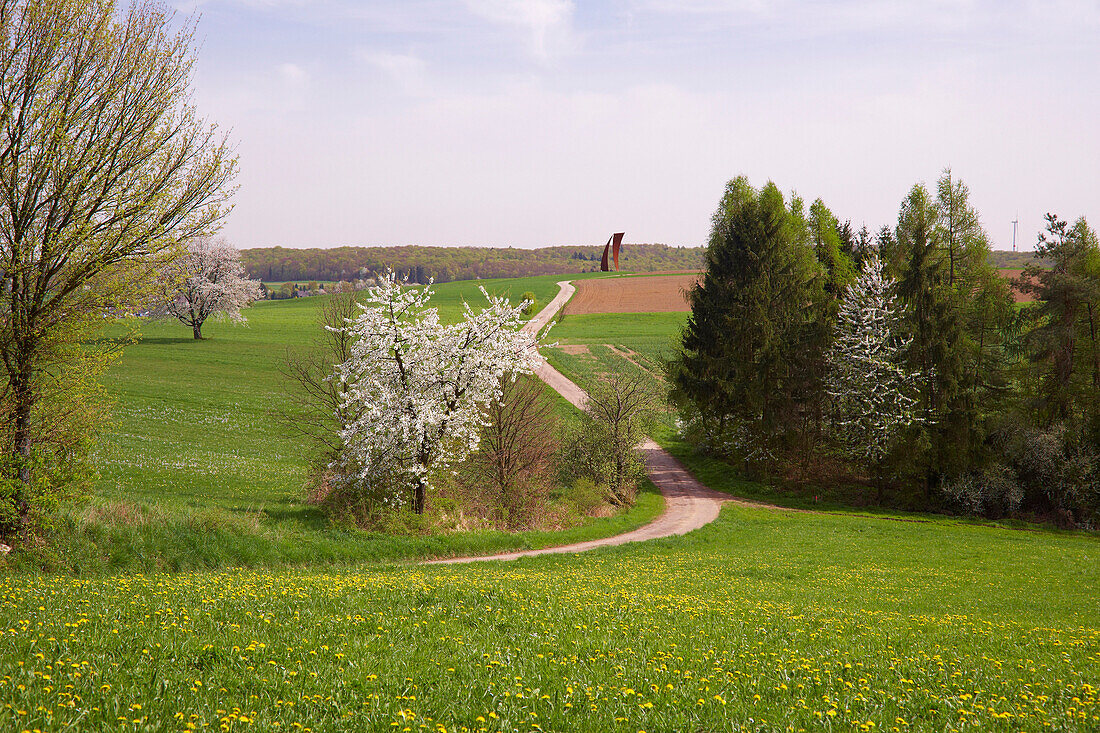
[(200, 470), (763, 621)]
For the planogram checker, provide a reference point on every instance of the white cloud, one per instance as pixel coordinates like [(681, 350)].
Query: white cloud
[(547, 24), (407, 71), (293, 74)]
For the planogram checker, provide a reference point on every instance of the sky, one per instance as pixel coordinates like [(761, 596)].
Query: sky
[(531, 123)]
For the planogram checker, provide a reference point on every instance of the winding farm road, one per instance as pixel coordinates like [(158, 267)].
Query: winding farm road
[(688, 504)]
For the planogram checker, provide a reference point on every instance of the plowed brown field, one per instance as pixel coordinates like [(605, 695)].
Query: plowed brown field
[(1017, 295), (652, 294), (662, 293)]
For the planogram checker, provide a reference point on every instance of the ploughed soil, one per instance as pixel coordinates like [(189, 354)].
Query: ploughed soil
[(662, 293), (650, 294), (1010, 275)]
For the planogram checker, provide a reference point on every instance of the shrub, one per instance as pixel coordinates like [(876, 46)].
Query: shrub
[(586, 495), (532, 306), (619, 411), (517, 451), (993, 492), (1054, 469)]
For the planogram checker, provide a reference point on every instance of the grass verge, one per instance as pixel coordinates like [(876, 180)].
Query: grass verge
[(113, 536)]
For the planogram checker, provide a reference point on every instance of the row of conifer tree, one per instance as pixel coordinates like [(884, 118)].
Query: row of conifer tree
[(926, 383)]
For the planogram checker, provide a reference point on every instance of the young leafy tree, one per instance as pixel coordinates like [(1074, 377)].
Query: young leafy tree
[(209, 280), (873, 391), (317, 409), (420, 387), (617, 414), (749, 363), (956, 312), (832, 251), (959, 230), (104, 169)]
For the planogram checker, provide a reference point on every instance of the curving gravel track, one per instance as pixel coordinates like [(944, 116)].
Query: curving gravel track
[(688, 504)]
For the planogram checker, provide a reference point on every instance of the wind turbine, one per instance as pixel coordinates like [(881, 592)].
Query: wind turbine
[(1015, 223)]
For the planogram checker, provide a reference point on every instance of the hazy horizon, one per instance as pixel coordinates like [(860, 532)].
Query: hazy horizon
[(551, 122)]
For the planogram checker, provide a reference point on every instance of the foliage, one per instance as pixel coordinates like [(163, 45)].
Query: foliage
[(207, 280), (516, 458), (618, 413), (750, 359), (444, 264), (872, 391), (1065, 333), (1008, 260), (104, 168), (748, 376), (992, 492), (420, 387), (957, 311), (1057, 470), (532, 303)]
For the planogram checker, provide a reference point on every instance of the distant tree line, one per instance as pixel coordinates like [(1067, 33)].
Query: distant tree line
[(444, 264), (897, 361), (1008, 260)]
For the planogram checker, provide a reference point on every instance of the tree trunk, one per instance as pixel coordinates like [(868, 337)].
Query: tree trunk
[(420, 497), (197, 328), (23, 402)]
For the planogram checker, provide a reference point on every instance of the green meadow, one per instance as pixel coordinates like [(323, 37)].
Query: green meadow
[(765, 620), (201, 468)]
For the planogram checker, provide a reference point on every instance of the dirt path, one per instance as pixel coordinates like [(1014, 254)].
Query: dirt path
[(689, 504)]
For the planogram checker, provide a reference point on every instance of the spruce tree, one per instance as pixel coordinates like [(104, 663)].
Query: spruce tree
[(1066, 328), (748, 370)]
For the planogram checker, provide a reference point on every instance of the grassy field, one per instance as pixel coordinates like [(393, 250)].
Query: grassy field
[(199, 471), (764, 620)]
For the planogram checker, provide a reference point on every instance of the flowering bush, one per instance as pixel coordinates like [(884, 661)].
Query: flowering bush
[(419, 388)]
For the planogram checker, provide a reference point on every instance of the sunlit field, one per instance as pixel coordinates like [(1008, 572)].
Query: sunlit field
[(197, 422), (764, 620), (202, 469), (761, 621)]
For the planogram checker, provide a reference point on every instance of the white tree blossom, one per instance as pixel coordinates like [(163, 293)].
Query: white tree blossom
[(209, 279), (420, 387), (873, 392)]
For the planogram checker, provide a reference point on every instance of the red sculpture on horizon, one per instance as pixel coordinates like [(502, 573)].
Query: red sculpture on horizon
[(613, 245)]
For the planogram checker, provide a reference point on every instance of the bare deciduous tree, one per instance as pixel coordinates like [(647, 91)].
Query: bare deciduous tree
[(319, 412), (208, 280), (104, 169), (517, 447)]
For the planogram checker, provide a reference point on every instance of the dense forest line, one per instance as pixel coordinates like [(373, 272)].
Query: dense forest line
[(1008, 260), (898, 361), (444, 264)]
